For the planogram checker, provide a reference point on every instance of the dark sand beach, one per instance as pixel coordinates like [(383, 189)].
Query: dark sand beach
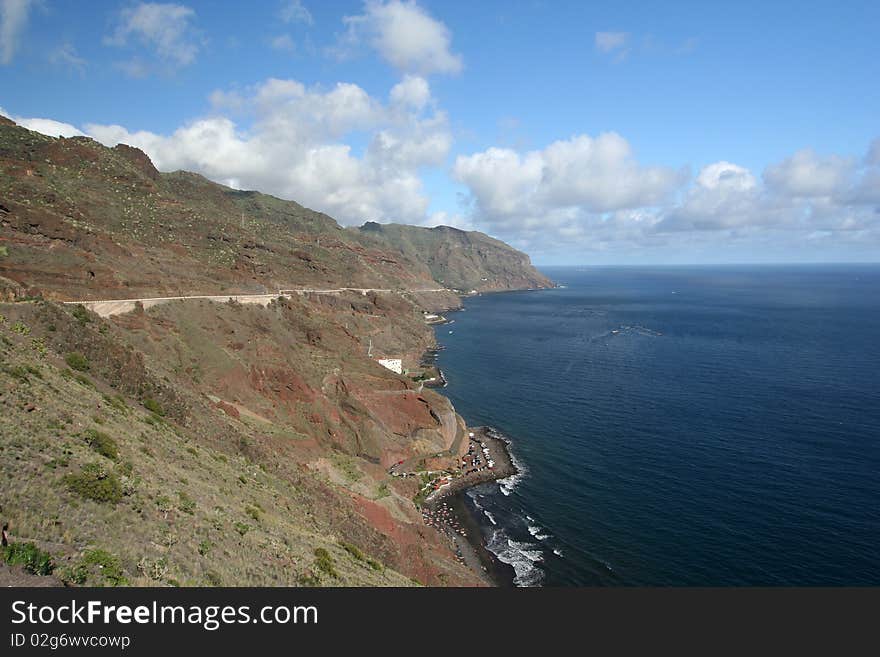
[(450, 509)]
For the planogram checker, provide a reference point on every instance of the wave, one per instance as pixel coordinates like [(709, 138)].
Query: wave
[(489, 515), (508, 484), (536, 531), (522, 556)]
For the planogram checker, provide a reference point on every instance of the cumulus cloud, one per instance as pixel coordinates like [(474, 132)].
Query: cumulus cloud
[(806, 174), (13, 20), (404, 34), (587, 195), (296, 146), (581, 174), (413, 91), (166, 29)]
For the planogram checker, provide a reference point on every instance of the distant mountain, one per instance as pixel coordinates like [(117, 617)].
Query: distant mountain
[(83, 221), (461, 260)]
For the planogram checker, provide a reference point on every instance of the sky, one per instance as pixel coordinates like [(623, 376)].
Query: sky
[(583, 133)]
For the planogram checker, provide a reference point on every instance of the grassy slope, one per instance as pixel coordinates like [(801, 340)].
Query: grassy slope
[(206, 498)]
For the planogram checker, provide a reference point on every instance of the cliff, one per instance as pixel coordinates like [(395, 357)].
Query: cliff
[(458, 259), (205, 443)]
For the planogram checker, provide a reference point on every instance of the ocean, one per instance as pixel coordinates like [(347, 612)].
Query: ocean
[(679, 426)]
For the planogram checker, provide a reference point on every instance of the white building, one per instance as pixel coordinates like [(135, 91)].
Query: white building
[(393, 364)]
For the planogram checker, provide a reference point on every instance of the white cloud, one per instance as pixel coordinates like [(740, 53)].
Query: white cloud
[(295, 147), (588, 196), (611, 41), (46, 126), (805, 174), (404, 34), (723, 196), (13, 20), (581, 174), (164, 28), (412, 91)]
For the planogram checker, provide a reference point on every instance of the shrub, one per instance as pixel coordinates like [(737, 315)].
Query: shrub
[(97, 568), (102, 443), (30, 556), (253, 512), (81, 314), (187, 504), (153, 406), (205, 547), (76, 361), (325, 562), (95, 483), (354, 551)]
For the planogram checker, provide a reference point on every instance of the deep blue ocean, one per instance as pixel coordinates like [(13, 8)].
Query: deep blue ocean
[(680, 425)]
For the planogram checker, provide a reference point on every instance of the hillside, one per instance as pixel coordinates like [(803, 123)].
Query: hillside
[(204, 443), (461, 260), (83, 221)]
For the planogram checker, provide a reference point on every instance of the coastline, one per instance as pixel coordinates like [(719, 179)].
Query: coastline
[(450, 510)]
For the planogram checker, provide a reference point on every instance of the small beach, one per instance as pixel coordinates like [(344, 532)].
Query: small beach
[(448, 508)]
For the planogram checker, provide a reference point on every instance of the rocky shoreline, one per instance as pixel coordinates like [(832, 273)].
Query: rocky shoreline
[(448, 510)]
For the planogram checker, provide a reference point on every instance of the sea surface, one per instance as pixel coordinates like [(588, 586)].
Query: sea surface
[(680, 425)]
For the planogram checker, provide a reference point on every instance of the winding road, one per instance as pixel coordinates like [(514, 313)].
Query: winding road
[(108, 307)]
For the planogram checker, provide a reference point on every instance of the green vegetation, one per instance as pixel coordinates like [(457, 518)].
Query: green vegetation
[(354, 551), (82, 315), (95, 483), (30, 556), (76, 361), (96, 568), (186, 503), (325, 563), (102, 443), (358, 555), (154, 407), (253, 512)]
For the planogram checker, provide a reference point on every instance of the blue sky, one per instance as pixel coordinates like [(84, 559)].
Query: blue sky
[(625, 132)]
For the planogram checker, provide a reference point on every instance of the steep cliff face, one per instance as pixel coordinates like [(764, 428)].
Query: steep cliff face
[(198, 442), (461, 260)]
